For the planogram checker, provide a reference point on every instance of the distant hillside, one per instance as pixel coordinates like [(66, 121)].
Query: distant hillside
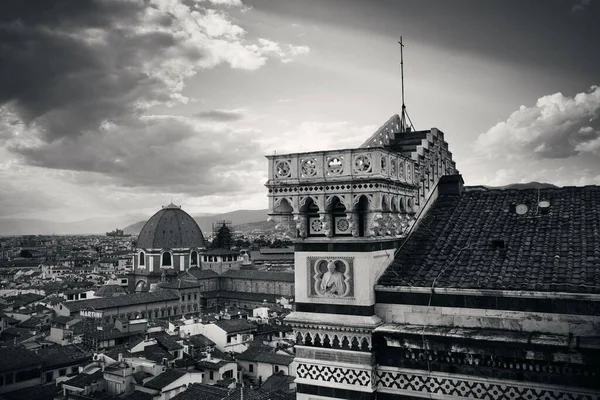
[(251, 226), (237, 218), (25, 226)]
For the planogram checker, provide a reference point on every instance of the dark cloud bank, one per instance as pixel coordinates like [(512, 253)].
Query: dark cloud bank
[(77, 80)]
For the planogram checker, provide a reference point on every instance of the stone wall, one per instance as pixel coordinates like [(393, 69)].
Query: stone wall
[(522, 321)]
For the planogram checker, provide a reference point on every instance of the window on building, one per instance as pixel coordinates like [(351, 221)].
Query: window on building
[(251, 367), (183, 297), (189, 297), (194, 258), (228, 374), (276, 368), (83, 295), (166, 259), (212, 375), (228, 339), (9, 378), (195, 296), (49, 377), (142, 258)]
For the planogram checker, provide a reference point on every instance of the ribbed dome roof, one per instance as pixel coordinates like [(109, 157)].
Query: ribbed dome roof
[(170, 228)]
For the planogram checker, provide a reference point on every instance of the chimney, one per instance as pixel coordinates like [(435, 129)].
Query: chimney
[(120, 357), (450, 185)]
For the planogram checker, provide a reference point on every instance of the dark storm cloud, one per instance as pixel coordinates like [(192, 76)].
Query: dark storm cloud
[(544, 34), (166, 153), (220, 115), (77, 78), (69, 65)]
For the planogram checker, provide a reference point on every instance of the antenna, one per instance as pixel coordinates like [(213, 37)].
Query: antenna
[(403, 125)]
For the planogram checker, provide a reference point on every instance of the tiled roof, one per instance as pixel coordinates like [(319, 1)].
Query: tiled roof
[(259, 275), (212, 365), (256, 255), (115, 351), (168, 342), (202, 273), (248, 296), (82, 380), (56, 356), (277, 250), (235, 325), (477, 240), (17, 357), (265, 354), (201, 341), (202, 391), (164, 379), (138, 395), (197, 391), (120, 301), (62, 320), (45, 392), (276, 382), (220, 252), (155, 353)]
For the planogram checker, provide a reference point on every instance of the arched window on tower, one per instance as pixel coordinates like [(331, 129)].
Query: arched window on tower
[(362, 208), (314, 224), (167, 259), (142, 259), (341, 226), (194, 258)]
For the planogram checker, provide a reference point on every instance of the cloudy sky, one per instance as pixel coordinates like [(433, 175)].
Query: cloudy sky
[(112, 107)]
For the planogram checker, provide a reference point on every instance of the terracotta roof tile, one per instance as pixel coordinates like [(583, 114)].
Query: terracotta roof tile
[(478, 241)]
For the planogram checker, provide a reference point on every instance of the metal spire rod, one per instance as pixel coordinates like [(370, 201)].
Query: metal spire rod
[(404, 116), (402, 71)]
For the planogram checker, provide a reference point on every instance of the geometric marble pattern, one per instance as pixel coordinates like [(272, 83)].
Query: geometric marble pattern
[(441, 386), (333, 374)]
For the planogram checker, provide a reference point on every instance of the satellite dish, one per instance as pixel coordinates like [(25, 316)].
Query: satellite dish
[(544, 204), (521, 209)]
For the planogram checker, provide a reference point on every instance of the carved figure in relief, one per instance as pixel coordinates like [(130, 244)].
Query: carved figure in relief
[(332, 281)]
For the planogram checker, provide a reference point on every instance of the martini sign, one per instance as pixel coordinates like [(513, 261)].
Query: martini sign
[(91, 314)]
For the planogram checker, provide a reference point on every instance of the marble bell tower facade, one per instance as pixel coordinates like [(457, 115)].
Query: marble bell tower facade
[(348, 212)]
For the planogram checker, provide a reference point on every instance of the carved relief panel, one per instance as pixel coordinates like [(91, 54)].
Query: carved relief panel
[(331, 277)]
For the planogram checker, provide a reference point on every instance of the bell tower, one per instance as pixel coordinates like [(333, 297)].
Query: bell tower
[(348, 211)]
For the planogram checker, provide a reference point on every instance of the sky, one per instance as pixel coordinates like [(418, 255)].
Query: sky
[(116, 107)]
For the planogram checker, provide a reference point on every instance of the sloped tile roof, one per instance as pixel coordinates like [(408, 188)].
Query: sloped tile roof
[(17, 357), (477, 240), (201, 341), (120, 301), (82, 380), (247, 296), (277, 382), (164, 379), (235, 325), (259, 275), (202, 273), (265, 354), (202, 391), (56, 356)]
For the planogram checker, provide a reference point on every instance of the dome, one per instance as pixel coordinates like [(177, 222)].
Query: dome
[(170, 228)]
